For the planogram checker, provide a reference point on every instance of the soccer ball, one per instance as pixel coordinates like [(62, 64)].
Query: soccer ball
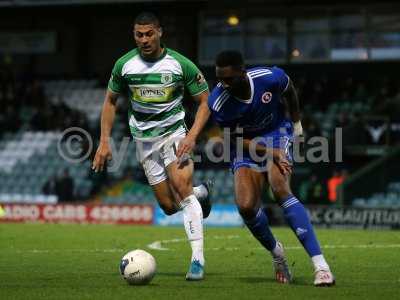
[(138, 267)]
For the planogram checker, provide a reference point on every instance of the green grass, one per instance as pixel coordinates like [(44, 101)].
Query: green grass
[(43, 261)]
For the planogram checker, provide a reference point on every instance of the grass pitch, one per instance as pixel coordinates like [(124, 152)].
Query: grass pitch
[(54, 261)]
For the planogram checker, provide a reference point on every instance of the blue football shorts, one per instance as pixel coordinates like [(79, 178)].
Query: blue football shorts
[(279, 138)]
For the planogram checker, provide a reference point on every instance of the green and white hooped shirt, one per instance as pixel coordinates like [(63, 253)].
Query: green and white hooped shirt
[(155, 91)]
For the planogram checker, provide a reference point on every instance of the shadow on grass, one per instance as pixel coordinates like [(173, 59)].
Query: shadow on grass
[(151, 284), (182, 274), (298, 281), (171, 274)]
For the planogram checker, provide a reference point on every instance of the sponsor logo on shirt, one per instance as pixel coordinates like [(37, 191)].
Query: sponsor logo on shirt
[(151, 92)]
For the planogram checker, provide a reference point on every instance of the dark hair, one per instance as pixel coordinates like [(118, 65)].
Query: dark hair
[(230, 58), (146, 18)]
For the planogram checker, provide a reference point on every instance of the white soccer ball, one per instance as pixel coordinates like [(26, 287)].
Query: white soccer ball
[(138, 267)]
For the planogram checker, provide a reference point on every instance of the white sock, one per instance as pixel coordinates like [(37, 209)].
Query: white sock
[(200, 191), (193, 221), (277, 252), (320, 263)]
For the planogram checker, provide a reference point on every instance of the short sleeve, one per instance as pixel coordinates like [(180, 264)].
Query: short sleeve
[(281, 79), (193, 78), (116, 82)]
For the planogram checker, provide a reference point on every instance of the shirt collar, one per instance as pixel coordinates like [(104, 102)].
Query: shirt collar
[(163, 54)]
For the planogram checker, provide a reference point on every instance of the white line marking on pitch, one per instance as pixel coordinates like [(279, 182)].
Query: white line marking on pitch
[(39, 251), (369, 246), (158, 245)]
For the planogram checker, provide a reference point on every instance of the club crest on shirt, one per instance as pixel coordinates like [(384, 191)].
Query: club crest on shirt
[(266, 97), (200, 78), (166, 78)]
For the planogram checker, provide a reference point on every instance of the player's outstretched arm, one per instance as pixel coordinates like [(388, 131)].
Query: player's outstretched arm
[(103, 152), (292, 101), (202, 115)]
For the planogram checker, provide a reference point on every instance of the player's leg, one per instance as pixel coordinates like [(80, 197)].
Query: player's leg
[(299, 221), (168, 198), (154, 157), (248, 188), (202, 193), (158, 180), (180, 177), (165, 197), (249, 185), (173, 189)]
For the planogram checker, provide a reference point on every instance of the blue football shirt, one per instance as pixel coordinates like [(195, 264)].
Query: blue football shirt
[(262, 113)]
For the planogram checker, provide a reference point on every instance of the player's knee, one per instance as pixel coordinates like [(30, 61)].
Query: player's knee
[(281, 194), (280, 190), (246, 208), (168, 209), (183, 187)]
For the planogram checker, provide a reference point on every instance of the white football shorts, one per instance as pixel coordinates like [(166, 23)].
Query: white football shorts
[(155, 156)]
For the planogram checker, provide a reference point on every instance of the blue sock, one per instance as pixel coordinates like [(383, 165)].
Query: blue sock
[(260, 229), (297, 217)]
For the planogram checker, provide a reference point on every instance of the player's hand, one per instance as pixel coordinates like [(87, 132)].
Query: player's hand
[(299, 137), (185, 146), (297, 128), (103, 153), (282, 163)]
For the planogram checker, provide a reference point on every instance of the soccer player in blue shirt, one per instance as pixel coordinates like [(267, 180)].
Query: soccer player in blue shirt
[(261, 104)]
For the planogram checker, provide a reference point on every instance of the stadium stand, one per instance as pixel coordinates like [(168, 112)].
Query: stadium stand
[(30, 159)]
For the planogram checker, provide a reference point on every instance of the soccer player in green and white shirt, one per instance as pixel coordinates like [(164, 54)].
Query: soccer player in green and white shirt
[(154, 78)]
